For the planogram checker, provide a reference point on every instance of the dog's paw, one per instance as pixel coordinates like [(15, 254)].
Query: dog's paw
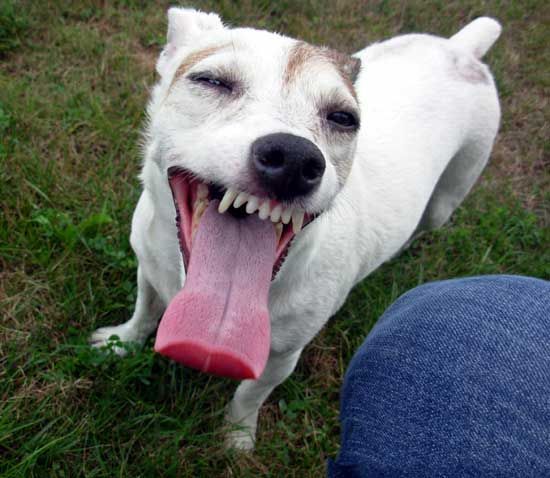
[(241, 431), (240, 440), (112, 338)]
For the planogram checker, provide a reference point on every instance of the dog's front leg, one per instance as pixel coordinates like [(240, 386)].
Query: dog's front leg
[(242, 411), (148, 310)]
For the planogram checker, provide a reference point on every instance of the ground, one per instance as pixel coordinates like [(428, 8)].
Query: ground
[(74, 78)]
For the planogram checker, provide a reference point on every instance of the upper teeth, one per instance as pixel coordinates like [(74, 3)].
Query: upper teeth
[(241, 199), (286, 215), (227, 200), (252, 204), (297, 220), (263, 206), (276, 213), (264, 210)]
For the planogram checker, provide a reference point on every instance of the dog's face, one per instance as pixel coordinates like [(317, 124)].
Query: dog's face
[(261, 119)]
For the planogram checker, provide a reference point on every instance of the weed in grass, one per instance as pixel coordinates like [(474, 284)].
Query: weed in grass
[(13, 26)]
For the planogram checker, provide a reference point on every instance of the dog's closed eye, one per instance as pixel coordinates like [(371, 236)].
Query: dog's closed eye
[(210, 80)]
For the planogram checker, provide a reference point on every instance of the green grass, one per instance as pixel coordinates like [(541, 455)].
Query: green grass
[(74, 78)]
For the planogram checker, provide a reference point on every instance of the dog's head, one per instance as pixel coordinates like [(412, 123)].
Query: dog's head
[(267, 122)]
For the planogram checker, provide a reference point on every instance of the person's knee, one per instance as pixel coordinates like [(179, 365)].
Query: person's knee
[(460, 313), (434, 354)]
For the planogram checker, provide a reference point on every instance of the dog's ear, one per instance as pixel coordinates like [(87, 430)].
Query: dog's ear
[(350, 66), (185, 25)]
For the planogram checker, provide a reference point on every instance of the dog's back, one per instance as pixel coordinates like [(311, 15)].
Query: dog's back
[(430, 116)]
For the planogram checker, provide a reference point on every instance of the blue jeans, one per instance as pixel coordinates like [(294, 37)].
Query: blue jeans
[(454, 380)]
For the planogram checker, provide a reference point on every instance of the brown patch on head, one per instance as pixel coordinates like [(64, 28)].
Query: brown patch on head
[(303, 53), (193, 58), (299, 55)]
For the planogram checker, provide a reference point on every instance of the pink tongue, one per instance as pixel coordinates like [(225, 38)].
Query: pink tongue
[(219, 322)]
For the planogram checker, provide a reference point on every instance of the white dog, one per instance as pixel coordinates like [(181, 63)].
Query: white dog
[(252, 136)]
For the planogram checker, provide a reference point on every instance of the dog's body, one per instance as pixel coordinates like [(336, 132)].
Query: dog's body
[(429, 116)]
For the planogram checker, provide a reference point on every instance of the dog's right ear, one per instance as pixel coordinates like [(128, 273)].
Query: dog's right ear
[(185, 25)]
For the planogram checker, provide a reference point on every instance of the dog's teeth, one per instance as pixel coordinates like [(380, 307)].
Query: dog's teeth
[(240, 200), (278, 230), (202, 191), (227, 200), (286, 215), (264, 210), (252, 204), (198, 211), (297, 220), (276, 213)]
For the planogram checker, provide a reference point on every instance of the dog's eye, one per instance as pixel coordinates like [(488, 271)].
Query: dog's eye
[(343, 119), (212, 82)]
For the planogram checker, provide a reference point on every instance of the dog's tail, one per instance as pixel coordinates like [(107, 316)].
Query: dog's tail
[(478, 36)]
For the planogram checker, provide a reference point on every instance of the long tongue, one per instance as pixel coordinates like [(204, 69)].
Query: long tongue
[(219, 322)]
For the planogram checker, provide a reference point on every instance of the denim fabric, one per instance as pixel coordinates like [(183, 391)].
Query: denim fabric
[(454, 380)]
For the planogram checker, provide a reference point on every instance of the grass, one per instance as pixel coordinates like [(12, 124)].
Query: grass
[(74, 78)]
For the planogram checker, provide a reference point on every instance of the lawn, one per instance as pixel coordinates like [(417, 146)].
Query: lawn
[(74, 79)]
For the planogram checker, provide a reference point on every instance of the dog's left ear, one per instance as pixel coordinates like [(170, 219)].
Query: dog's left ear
[(352, 67), (184, 26), (348, 65)]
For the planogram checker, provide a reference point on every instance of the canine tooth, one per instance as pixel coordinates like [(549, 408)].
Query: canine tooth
[(297, 220), (202, 191), (252, 204), (198, 211), (227, 200), (278, 230), (286, 215), (240, 200), (276, 213), (264, 210)]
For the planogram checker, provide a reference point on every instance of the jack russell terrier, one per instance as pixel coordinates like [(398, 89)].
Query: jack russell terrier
[(278, 174)]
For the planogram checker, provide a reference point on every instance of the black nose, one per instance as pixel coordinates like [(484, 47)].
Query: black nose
[(287, 166)]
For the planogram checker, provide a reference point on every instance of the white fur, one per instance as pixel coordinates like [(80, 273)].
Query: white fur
[(426, 133)]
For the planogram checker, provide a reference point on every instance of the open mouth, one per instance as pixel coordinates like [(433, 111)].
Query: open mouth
[(233, 244), (192, 198)]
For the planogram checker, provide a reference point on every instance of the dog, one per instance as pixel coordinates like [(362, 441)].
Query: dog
[(302, 169)]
